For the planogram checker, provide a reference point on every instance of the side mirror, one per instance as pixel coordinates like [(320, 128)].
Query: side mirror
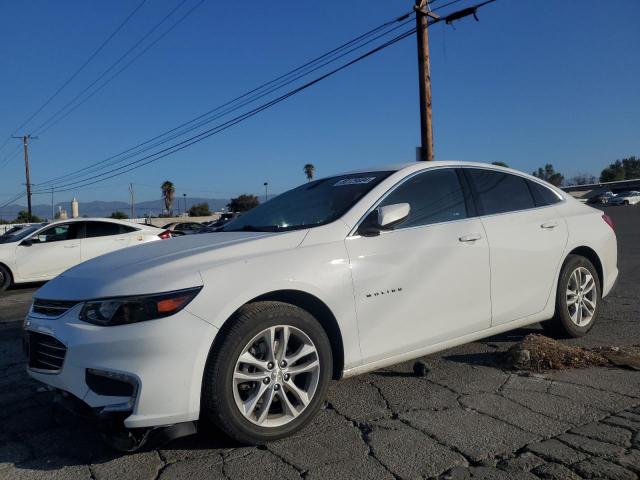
[(26, 243), (384, 218)]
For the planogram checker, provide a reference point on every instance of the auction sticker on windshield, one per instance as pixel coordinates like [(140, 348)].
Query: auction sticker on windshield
[(353, 181)]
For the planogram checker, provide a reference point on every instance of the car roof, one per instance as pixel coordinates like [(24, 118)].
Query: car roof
[(100, 219), (396, 167)]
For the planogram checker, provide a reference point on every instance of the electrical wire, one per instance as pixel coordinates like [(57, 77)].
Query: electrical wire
[(252, 95), (60, 113), (77, 72), (219, 128)]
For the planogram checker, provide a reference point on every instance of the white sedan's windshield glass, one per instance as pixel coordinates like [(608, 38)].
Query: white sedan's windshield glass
[(309, 205), (20, 234)]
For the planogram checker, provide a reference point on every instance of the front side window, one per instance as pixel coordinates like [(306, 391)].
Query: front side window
[(310, 205), (500, 192), (434, 196), (57, 233)]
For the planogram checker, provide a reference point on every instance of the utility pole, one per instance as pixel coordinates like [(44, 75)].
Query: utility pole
[(184, 197), (424, 77), (266, 191), (53, 213), (133, 201), (25, 142)]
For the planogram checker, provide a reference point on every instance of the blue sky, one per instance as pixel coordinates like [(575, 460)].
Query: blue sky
[(534, 81)]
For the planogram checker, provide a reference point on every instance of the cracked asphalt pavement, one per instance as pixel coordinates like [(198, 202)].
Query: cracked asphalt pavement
[(466, 418)]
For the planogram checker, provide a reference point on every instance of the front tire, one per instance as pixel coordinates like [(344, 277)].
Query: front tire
[(269, 374), (577, 299), (5, 278)]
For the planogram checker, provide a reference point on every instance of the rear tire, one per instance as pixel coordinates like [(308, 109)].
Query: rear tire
[(578, 298), (256, 393), (5, 278)]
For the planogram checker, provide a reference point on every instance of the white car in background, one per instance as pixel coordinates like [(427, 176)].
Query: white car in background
[(335, 278), (626, 198), (40, 252)]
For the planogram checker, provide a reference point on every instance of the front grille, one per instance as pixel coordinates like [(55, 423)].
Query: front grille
[(45, 352), (51, 308)]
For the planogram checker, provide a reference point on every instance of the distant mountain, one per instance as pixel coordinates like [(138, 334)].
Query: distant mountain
[(105, 209)]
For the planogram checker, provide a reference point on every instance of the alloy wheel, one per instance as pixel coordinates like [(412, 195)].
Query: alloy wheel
[(276, 376), (581, 296)]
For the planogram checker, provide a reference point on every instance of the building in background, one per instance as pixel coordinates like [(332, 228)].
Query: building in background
[(74, 208)]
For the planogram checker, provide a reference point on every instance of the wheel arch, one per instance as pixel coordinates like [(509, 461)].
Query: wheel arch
[(315, 307), (8, 269), (591, 255)]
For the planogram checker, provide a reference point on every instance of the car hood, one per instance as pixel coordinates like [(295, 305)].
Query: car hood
[(162, 266)]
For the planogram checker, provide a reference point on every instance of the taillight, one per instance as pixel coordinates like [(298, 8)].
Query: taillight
[(165, 235), (608, 220)]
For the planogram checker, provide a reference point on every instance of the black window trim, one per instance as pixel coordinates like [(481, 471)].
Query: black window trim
[(463, 186), (478, 203)]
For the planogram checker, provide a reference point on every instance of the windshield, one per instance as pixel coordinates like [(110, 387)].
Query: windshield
[(20, 234), (309, 205)]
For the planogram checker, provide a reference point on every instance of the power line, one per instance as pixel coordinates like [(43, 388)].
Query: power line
[(77, 72), (219, 128), (252, 95), (61, 114), (10, 156)]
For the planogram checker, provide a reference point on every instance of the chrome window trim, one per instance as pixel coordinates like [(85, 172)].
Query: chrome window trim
[(352, 233)]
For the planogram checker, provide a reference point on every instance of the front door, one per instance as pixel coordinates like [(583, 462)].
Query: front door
[(49, 252), (427, 280)]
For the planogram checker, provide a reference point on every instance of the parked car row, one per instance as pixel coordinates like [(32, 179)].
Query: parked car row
[(631, 197), (189, 228)]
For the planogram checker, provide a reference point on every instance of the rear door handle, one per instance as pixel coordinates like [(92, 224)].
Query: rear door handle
[(472, 237), (549, 225)]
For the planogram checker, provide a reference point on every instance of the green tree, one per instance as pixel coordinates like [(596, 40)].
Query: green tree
[(625, 169), (500, 164), (168, 195), (582, 179), (23, 217), (200, 210), (309, 170), (549, 174), (119, 215), (243, 203)]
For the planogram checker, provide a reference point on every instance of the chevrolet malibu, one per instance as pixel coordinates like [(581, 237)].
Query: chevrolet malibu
[(338, 277)]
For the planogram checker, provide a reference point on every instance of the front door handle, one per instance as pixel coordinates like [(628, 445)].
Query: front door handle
[(472, 237), (549, 225), (71, 246)]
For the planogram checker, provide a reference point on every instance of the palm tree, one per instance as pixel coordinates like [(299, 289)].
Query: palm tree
[(308, 171), (168, 192)]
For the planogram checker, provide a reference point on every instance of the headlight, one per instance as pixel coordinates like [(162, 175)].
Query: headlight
[(125, 310)]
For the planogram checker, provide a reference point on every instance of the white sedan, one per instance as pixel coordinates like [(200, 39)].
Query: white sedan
[(626, 198), (40, 252), (335, 278)]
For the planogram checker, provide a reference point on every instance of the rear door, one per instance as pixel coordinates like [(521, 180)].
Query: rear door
[(49, 252), (105, 237), (526, 238)]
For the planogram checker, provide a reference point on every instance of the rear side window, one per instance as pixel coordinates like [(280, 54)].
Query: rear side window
[(434, 196), (543, 195), (105, 229), (500, 192)]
